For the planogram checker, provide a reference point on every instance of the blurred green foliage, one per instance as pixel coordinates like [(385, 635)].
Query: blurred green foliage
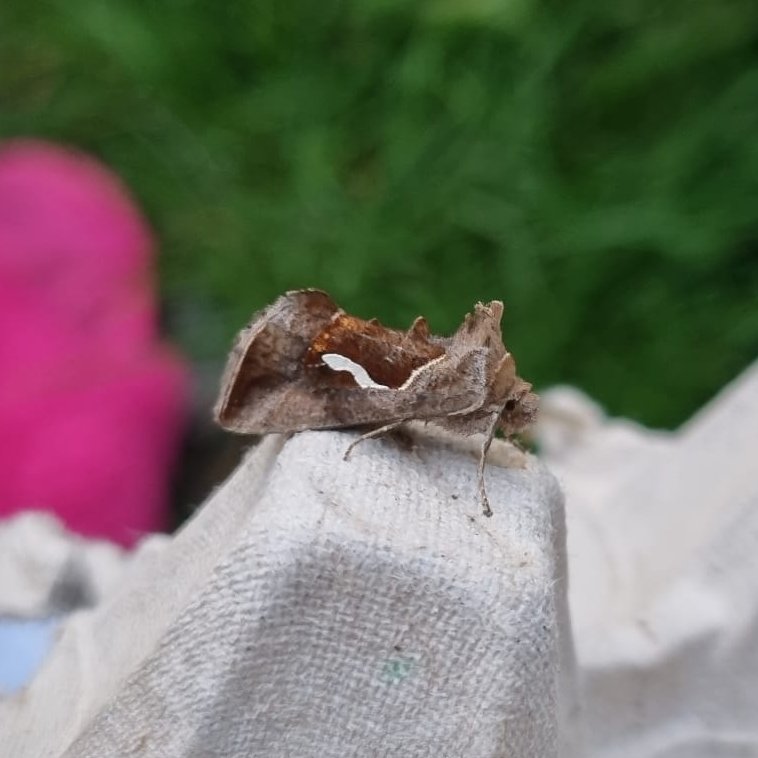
[(595, 165)]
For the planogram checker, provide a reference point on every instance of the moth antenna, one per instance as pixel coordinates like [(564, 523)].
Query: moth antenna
[(374, 322)]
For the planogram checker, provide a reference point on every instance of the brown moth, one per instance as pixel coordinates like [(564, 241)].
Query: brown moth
[(303, 363)]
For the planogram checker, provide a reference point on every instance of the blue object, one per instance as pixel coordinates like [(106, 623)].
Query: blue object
[(24, 645)]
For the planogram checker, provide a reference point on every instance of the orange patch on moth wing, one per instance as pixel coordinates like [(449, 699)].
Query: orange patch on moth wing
[(389, 356)]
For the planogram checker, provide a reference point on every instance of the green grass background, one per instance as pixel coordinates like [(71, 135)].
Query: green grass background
[(594, 165)]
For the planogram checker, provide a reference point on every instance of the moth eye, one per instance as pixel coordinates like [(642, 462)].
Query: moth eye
[(510, 405)]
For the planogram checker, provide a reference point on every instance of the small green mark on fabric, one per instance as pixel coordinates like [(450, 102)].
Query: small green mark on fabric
[(396, 670)]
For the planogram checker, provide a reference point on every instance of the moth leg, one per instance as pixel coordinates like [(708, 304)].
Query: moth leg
[(486, 510), (373, 433), (518, 444)]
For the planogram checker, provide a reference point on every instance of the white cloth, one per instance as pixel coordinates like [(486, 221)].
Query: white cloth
[(316, 607), (663, 558)]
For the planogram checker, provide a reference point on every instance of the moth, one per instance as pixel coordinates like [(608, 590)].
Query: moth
[(303, 363)]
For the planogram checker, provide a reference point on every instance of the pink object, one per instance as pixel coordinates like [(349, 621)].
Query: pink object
[(91, 403)]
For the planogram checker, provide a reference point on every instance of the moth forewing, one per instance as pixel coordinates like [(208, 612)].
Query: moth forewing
[(303, 363)]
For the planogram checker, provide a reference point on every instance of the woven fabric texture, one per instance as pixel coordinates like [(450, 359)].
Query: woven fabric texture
[(321, 607)]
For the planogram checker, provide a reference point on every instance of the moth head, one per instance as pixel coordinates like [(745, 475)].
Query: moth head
[(519, 409)]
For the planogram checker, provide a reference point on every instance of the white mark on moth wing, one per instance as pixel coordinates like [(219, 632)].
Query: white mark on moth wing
[(338, 362)]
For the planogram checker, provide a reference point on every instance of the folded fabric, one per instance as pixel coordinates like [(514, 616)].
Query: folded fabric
[(663, 556), (321, 607)]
